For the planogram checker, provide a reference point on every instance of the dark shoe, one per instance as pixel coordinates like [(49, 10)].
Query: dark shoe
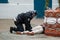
[(43, 30), (11, 29)]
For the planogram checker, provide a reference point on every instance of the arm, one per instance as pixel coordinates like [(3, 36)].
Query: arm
[(28, 25)]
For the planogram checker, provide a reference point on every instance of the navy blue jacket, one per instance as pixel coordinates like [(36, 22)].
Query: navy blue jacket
[(24, 17)]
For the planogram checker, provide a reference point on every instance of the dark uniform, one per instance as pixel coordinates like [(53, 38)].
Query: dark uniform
[(23, 18)]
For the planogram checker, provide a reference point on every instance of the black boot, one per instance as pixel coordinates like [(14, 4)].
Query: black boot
[(11, 29)]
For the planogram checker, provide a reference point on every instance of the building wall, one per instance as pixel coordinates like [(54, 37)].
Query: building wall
[(55, 4), (15, 7)]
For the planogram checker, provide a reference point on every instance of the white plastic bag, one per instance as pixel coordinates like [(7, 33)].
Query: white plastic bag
[(51, 20), (58, 20)]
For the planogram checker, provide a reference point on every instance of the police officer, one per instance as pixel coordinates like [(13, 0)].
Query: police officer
[(23, 18)]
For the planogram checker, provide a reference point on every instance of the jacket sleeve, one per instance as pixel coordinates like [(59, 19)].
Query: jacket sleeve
[(27, 21)]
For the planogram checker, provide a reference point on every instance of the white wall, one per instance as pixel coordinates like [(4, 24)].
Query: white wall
[(55, 4), (21, 1), (14, 7)]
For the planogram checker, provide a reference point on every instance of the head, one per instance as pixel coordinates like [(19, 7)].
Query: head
[(34, 13)]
